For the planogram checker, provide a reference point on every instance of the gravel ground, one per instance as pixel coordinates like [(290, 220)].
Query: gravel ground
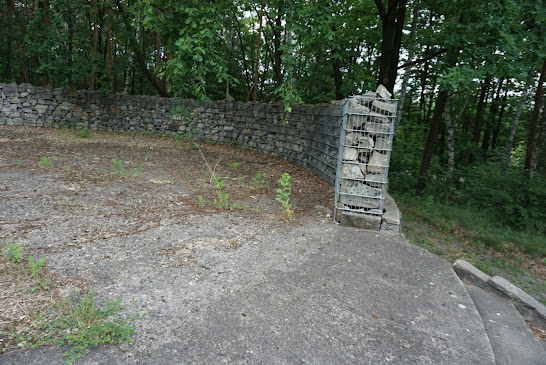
[(140, 232)]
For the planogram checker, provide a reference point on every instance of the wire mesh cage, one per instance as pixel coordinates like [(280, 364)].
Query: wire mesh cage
[(364, 153)]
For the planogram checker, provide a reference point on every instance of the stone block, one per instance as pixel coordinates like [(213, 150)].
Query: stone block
[(469, 273), (383, 92), (382, 143), (360, 220), (350, 154), (351, 171), (377, 163), (529, 307), (384, 107)]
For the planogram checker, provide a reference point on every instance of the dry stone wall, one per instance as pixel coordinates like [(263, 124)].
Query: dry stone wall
[(309, 135)]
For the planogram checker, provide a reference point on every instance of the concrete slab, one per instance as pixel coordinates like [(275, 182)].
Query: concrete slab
[(512, 340), (360, 297), (471, 274), (529, 307)]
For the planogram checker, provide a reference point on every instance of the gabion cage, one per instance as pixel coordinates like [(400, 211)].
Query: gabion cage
[(364, 153)]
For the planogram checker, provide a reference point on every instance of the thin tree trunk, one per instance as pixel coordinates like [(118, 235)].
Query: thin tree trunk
[(407, 70), (435, 123), (541, 138), (256, 68), (245, 64), (109, 48), (129, 73), (515, 122), (479, 115), (531, 136), (499, 123), (489, 125), (450, 149), (95, 45), (140, 58)]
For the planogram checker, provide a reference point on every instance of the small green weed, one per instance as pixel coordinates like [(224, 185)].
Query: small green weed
[(241, 180), (13, 252), (86, 322), (234, 165), (201, 200), (117, 169), (84, 132), (135, 171), (34, 267), (283, 197), (259, 182), (19, 162), (45, 161)]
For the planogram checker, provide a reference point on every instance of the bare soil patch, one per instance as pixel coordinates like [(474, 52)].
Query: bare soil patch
[(62, 199)]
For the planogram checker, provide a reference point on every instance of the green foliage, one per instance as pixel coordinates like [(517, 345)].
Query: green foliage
[(117, 169), (234, 165), (45, 161), (84, 322), (13, 252), (34, 267), (259, 182), (283, 197)]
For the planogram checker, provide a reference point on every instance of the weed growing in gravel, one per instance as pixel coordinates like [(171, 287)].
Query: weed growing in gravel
[(13, 252), (259, 182), (201, 200), (85, 322), (45, 161), (117, 170), (19, 162), (34, 267), (84, 132), (283, 197), (135, 171), (234, 165), (241, 180)]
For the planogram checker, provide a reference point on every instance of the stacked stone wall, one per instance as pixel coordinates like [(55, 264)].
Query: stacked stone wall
[(309, 135)]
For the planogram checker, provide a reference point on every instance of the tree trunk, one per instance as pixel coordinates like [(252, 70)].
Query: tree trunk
[(541, 138), (140, 58), (493, 112), (256, 68), (515, 122), (336, 65), (109, 48), (499, 122), (436, 121), (479, 115), (95, 46), (405, 80), (278, 52), (531, 136), (392, 21)]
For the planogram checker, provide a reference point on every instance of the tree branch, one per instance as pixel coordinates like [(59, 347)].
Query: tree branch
[(424, 59), (380, 7)]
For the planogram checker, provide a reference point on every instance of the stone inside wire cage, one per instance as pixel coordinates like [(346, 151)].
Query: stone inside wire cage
[(364, 153)]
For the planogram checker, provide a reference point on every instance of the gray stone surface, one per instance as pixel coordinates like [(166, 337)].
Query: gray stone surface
[(511, 339), (355, 298), (360, 220), (469, 273), (529, 307), (391, 220)]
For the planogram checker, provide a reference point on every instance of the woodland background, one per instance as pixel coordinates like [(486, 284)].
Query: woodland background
[(469, 76)]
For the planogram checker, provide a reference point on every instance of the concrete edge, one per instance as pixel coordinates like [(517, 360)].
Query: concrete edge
[(529, 308), (390, 221)]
